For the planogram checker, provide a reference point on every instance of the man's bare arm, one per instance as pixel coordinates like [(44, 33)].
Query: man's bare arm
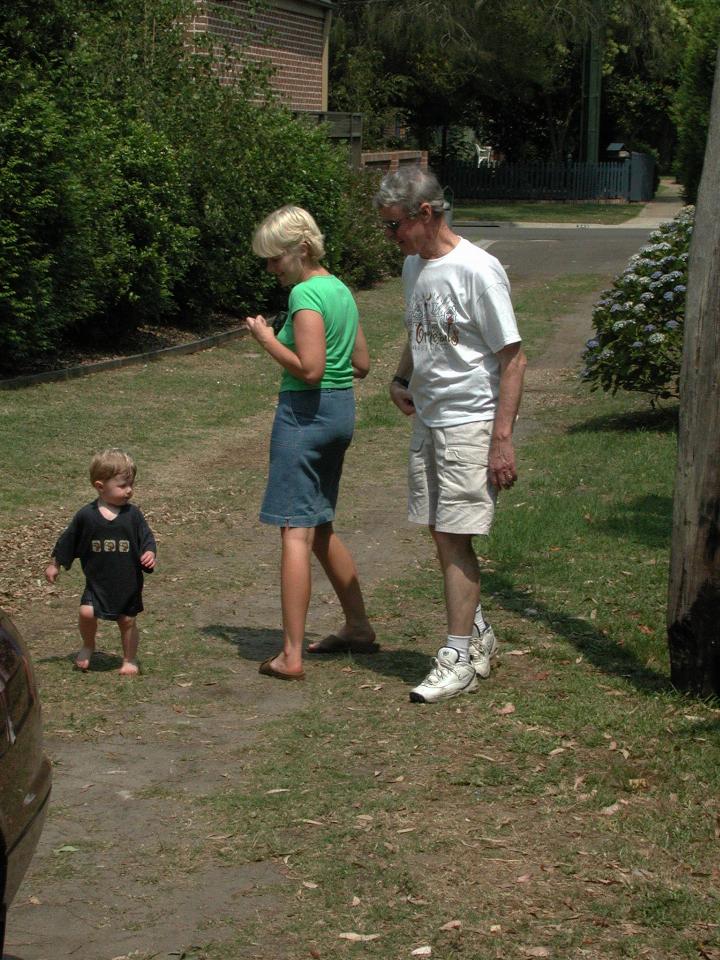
[(501, 465)]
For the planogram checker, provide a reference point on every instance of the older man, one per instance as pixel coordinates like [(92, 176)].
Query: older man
[(461, 374)]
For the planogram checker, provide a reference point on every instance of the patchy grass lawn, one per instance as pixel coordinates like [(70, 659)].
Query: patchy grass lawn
[(545, 211), (569, 809)]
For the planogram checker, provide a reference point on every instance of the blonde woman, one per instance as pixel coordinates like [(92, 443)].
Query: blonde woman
[(320, 348)]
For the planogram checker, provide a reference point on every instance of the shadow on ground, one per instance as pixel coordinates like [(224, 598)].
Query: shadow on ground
[(646, 520), (101, 662), (657, 420), (255, 644), (611, 659), (251, 643)]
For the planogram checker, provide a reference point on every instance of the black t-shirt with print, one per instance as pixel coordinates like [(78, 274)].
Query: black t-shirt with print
[(109, 552)]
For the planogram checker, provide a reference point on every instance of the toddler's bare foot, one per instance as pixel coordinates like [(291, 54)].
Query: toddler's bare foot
[(129, 668), (82, 660)]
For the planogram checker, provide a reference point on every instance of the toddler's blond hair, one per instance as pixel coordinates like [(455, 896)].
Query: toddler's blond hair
[(111, 463)]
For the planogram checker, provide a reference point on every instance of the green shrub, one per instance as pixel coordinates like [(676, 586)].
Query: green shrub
[(133, 180), (132, 236), (94, 223), (365, 253), (33, 213), (639, 322)]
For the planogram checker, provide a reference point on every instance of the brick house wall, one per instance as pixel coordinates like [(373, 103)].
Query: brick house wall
[(292, 34)]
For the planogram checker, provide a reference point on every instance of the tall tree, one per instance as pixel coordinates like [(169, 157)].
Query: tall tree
[(692, 100), (510, 67), (694, 591)]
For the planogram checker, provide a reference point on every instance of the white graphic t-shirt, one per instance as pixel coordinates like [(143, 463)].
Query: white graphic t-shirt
[(458, 316)]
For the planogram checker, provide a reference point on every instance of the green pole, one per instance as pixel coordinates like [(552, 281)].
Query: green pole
[(594, 62), (592, 81)]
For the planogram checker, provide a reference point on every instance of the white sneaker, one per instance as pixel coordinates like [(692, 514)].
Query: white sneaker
[(447, 679), (483, 650)]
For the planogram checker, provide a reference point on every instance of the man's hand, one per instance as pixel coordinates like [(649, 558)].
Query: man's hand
[(402, 398), (501, 463), (51, 572), (147, 560)]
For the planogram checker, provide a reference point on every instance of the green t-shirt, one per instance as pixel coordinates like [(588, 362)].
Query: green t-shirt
[(329, 297)]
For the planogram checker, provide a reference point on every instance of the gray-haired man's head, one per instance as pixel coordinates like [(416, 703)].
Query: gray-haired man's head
[(409, 187)]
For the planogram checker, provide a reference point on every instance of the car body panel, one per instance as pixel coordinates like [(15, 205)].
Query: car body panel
[(25, 772)]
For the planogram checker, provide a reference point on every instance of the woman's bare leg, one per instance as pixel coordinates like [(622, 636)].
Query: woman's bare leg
[(295, 590), (337, 562)]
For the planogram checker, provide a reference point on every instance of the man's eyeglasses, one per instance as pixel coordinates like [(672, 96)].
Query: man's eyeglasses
[(394, 225)]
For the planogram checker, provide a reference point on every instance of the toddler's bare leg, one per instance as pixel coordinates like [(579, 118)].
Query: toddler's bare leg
[(130, 639), (87, 624)]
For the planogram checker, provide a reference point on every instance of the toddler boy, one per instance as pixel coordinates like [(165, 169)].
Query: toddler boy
[(114, 544)]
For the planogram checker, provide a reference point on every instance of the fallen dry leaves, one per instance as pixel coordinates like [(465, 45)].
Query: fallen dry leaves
[(359, 937)]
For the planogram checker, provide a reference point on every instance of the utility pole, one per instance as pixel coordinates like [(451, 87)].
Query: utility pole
[(591, 88), (693, 616)]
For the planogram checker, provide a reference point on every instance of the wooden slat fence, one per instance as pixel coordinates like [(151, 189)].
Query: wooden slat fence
[(539, 181)]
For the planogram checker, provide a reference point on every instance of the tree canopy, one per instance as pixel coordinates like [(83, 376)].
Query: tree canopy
[(510, 69)]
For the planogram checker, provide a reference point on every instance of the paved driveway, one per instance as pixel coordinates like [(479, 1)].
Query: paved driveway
[(528, 254)]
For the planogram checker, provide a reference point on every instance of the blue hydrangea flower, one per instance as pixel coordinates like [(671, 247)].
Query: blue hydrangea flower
[(649, 328), (672, 324), (637, 344), (680, 288), (668, 295)]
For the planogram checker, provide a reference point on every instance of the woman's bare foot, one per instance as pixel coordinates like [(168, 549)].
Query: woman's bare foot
[(344, 640), (82, 660), (277, 667), (129, 668)]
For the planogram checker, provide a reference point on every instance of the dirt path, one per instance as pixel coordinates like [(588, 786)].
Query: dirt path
[(130, 863)]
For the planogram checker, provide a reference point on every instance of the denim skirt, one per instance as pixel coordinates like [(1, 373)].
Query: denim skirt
[(311, 432)]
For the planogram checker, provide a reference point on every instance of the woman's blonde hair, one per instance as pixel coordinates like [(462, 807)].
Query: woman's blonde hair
[(284, 230), (111, 463)]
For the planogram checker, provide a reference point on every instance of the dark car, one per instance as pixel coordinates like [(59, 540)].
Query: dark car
[(25, 774)]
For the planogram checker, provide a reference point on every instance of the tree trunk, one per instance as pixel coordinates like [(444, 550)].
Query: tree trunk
[(694, 591)]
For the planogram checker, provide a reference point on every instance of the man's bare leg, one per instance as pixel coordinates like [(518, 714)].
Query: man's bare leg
[(461, 575)]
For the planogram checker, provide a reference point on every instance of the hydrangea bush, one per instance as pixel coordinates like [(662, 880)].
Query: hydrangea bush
[(639, 322)]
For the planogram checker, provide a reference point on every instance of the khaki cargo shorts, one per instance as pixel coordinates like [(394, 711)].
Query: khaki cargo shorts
[(448, 486)]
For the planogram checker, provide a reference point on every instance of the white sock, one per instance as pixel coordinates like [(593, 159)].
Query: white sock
[(479, 620), (461, 644)]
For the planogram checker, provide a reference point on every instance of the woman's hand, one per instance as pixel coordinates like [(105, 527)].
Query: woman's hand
[(260, 329)]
